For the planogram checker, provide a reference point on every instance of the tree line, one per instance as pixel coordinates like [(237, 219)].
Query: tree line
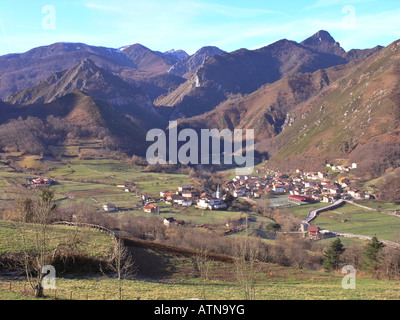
[(373, 259)]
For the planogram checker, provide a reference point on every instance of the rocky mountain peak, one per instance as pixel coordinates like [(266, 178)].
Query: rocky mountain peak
[(322, 41), (191, 63), (87, 65), (177, 54)]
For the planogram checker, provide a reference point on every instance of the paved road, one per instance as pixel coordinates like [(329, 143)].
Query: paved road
[(314, 213)]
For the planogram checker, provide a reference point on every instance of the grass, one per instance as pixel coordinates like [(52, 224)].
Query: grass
[(32, 163), (314, 287), (360, 221), (302, 211), (113, 172), (379, 205), (93, 243), (94, 182)]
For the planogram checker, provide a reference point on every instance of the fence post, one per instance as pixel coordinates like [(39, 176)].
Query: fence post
[(10, 285)]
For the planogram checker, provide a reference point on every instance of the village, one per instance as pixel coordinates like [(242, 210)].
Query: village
[(279, 188), (299, 189)]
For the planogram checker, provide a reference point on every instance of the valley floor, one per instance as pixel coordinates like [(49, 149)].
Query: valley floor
[(94, 182)]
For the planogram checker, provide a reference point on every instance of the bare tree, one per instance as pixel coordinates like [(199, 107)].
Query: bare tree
[(123, 264), (390, 263), (296, 251), (35, 217), (202, 265), (246, 267)]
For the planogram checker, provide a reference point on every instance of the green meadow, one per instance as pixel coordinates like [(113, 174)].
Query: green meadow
[(306, 287), (92, 243)]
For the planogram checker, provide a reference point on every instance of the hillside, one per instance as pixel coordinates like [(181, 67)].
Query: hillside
[(305, 119), (165, 272), (135, 64), (266, 109), (99, 83), (82, 116), (361, 108), (20, 71)]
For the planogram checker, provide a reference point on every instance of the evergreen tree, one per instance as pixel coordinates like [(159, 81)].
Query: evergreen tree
[(332, 255), (371, 255)]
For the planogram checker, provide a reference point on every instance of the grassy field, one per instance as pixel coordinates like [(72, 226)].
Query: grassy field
[(181, 281), (297, 286), (94, 182), (356, 220), (379, 206), (302, 211), (92, 243)]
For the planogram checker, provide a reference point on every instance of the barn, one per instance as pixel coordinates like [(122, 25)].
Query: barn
[(299, 199)]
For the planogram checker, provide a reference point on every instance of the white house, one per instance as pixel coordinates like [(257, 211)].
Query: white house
[(109, 207), (334, 190), (184, 202), (211, 204), (169, 221), (240, 192), (278, 189), (321, 175), (240, 178), (184, 188)]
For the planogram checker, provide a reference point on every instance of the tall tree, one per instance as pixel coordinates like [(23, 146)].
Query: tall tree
[(371, 252), (332, 255)]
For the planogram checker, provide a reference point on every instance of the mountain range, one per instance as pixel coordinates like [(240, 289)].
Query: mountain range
[(309, 100)]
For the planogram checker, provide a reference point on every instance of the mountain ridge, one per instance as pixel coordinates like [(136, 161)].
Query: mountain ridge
[(243, 71), (97, 82), (272, 90)]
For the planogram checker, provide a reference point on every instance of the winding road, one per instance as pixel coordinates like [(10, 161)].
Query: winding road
[(314, 213)]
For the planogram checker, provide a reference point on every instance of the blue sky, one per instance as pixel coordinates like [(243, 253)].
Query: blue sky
[(181, 24)]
